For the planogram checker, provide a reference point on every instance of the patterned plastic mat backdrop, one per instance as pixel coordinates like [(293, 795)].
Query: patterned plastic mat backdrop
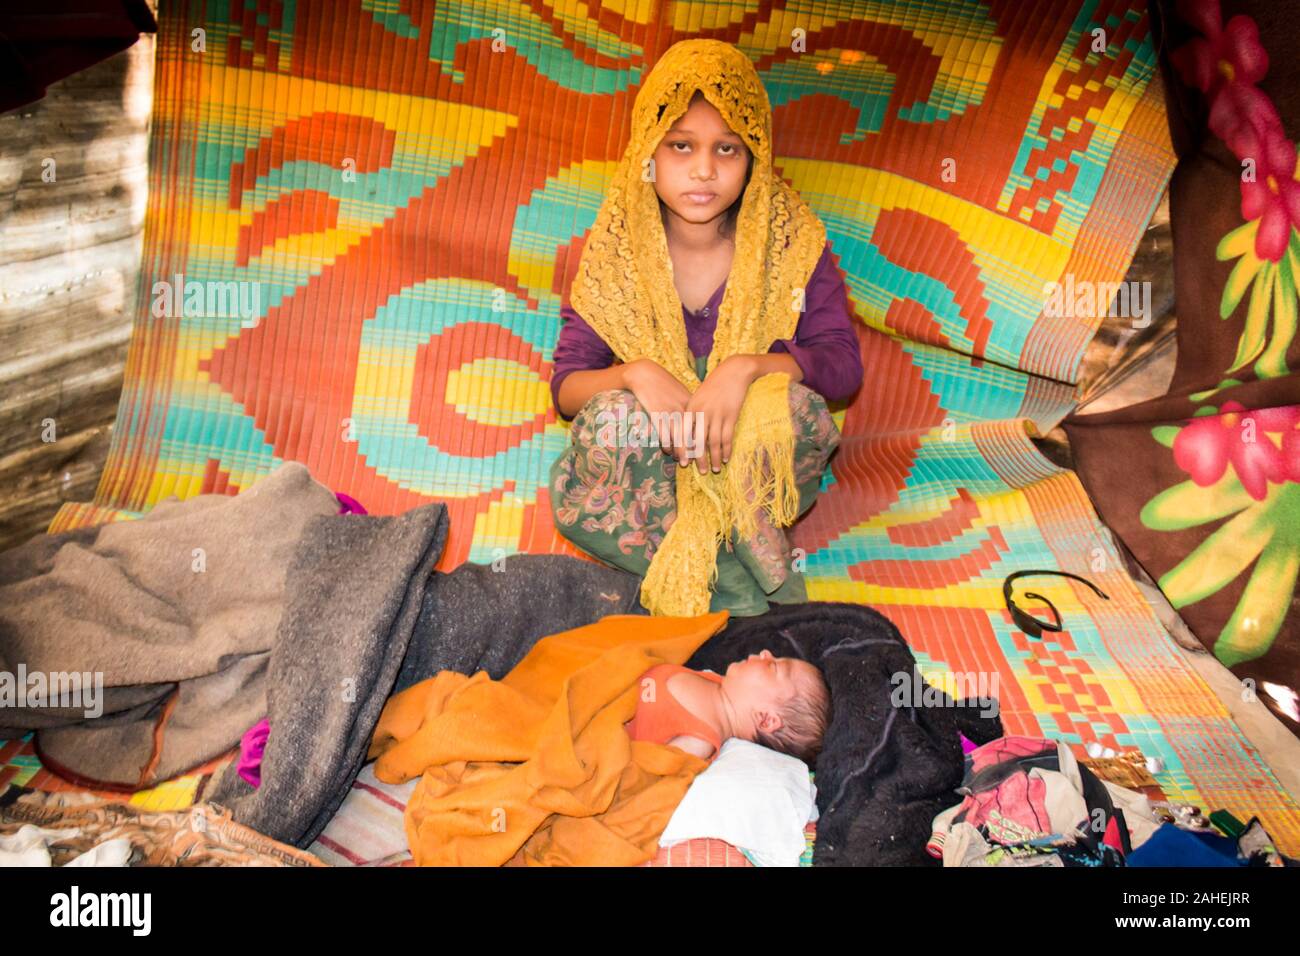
[(399, 192)]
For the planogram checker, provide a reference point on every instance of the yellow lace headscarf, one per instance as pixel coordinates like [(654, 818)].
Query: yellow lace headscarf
[(624, 290)]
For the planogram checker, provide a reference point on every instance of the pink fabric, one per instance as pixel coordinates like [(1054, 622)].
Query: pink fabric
[(1113, 838), (349, 505), (251, 747), (1019, 798), (1008, 748)]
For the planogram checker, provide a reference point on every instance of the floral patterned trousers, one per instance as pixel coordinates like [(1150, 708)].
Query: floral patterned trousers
[(614, 497)]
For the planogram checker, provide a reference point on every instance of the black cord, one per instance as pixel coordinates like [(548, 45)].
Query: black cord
[(1031, 625)]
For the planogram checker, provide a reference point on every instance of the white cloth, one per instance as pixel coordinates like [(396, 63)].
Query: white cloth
[(115, 852), (27, 847), (30, 846), (753, 798)]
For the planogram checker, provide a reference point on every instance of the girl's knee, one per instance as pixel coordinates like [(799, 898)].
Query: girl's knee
[(609, 406), (801, 396), (612, 399), (607, 418)]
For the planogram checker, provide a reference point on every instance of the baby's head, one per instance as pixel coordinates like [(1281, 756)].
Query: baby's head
[(784, 699)]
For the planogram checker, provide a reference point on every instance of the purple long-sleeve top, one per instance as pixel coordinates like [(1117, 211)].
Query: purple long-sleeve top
[(824, 344)]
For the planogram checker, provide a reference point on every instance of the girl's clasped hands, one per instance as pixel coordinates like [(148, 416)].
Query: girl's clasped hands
[(700, 425)]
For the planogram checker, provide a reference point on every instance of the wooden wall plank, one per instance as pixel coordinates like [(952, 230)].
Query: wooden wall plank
[(70, 254)]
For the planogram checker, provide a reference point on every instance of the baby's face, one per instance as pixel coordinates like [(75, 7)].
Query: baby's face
[(700, 154), (763, 681)]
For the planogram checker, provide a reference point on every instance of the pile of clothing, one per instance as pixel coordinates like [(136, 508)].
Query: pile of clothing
[(1029, 802)]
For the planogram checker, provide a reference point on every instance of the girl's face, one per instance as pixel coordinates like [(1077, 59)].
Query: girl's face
[(700, 165)]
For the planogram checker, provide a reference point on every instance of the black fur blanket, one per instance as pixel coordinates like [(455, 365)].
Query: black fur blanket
[(884, 772)]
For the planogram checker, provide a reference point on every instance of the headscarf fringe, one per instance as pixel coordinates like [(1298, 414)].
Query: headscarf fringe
[(763, 457), (680, 582), (680, 579)]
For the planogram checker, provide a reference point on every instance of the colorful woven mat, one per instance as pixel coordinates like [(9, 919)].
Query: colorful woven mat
[(363, 214), (20, 766)]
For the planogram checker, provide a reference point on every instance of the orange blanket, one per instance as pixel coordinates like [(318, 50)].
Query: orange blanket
[(537, 767)]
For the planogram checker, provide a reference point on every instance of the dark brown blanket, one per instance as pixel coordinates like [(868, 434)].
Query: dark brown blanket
[(1203, 483)]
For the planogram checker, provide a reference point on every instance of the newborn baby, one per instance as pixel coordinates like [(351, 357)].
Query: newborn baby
[(778, 702)]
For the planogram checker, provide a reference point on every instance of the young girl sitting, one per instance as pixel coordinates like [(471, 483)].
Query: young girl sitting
[(779, 702), (712, 284)]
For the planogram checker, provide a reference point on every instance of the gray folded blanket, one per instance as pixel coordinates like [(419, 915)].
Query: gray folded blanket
[(353, 594), (488, 616), (178, 610), (207, 615)]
